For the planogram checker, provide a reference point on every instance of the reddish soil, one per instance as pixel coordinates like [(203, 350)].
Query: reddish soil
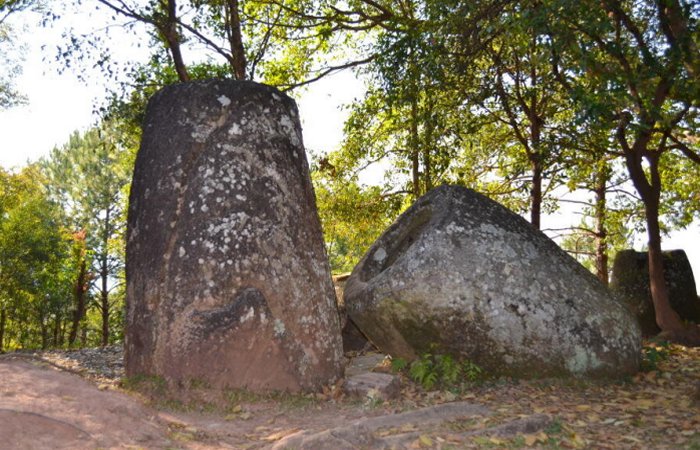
[(42, 407)]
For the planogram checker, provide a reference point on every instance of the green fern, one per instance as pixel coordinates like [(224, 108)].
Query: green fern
[(398, 364), (432, 370), (423, 371), (448, 368), (471, 371)]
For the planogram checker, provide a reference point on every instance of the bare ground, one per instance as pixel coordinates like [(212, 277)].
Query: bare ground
[(70, 400)]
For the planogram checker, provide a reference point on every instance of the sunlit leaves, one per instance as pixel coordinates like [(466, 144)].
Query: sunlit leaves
[(34, 254), (89, 176)]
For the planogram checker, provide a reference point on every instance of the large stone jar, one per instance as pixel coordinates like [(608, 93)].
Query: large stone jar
[(228, 282)]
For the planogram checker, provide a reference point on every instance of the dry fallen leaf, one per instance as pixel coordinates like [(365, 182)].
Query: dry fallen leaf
[(497, 441), (280, 434), (425, 441), (530, 439), (643, 404)]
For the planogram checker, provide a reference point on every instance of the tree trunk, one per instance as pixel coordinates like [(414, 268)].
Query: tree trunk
[(104, 276), (105, 316), (535, 154), (666, 318), (3, 320), (650, 191), (56, 331), (428, 145), (601, 232), (172, 37), (415, 152), (80, 291), (235, 38), (536, 193), (44, 333)]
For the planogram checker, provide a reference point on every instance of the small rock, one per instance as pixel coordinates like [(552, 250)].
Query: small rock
[(368, 362), (380, 385)]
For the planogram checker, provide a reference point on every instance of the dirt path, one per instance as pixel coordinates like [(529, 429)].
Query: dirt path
[(42, 406)]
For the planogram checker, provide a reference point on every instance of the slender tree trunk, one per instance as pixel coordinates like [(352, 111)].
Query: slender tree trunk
[(601, 232), (666, 318), (650, 191), (235, 38), (104, 306), (535, 157), (105, 317), (44, 333), (535, 154), (80, 291), (104, 276), (56, 331), (3, 320), (172, 37), (536, 193), (428, 146), (415, 151), (427, 168)]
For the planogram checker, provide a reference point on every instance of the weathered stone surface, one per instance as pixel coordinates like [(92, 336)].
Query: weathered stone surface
[(228, 282), (368, 362), (460, 272), (362, 433), (381, 385), (630, 280)]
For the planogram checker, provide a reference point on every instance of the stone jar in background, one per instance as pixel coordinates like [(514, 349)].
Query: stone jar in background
[(630, 280), (228, 282), (459, 274)]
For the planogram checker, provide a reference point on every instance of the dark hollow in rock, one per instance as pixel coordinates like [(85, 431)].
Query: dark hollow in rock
[(228, 282), (460, 274), (630, 280), (353, 339)]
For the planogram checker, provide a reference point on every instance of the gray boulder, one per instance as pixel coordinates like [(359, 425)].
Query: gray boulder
[(460, 274), (630, 280), (228, 282)]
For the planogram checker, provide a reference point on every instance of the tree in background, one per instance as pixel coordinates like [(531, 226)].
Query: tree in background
[(10, 53), (539, 76), (352, 216), (34, 264), (634, 65), (89, 176), (508, 81)]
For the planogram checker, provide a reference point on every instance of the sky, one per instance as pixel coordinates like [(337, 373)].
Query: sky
[(60, 104)]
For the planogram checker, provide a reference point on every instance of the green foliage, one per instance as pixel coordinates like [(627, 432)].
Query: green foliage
[(10, 68), (34, 263), (425, 371), (89, 177), (398, 364), (433, 370), (12, 48), (352, 216), (653, 354)]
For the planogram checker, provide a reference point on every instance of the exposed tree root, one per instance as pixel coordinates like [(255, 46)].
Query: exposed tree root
[(689, 336)]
